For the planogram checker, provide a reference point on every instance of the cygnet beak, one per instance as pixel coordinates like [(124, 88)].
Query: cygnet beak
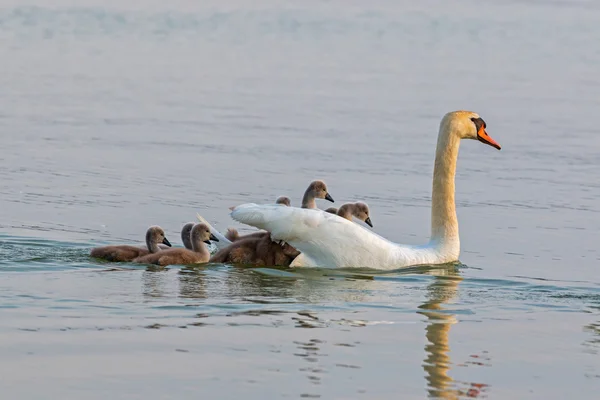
[(368, 222), (213, 237), (165, 241), (328, 197)]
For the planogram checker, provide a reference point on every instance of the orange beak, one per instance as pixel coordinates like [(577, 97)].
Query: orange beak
[(483, 137)]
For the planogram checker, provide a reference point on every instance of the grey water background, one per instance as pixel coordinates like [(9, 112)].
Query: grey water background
[(118, 115)]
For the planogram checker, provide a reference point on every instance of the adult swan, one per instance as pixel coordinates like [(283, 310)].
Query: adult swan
[(329, 241)]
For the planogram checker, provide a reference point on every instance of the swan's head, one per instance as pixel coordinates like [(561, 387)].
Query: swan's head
[(201, 233), (468, 125), (283, 200), (319, 190), (155, 234)]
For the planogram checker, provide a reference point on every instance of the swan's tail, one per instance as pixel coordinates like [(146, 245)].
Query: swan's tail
[(223, 241)]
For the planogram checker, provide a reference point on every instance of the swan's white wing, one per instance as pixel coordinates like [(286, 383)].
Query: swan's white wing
[(327, 240), (223, 241)]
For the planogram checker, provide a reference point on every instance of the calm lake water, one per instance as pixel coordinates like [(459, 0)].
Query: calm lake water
[(118, 115)]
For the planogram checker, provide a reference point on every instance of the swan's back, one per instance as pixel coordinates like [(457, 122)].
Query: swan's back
[(327, 239)]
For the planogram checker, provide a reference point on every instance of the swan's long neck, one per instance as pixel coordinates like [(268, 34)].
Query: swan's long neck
[(308, 201), (444, 225)]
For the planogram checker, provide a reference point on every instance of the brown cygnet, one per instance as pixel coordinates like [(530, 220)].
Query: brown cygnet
[(258, 251), (316, 190), (199, 235), (120, 253)]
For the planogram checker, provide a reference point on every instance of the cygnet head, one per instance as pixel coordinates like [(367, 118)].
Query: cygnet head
[(361, 211), (358, 210), (156, 235), (332, 210), (284, 200), (319, 190), (467, 125), (201, 233)]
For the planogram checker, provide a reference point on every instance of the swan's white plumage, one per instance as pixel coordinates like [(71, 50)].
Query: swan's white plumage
[(327, 240)]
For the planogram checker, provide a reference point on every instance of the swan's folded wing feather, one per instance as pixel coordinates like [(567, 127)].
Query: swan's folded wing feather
[(252, 214), (284, 223), (326, 239)]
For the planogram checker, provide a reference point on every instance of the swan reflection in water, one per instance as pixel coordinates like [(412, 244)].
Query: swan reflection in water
[(437, 363)]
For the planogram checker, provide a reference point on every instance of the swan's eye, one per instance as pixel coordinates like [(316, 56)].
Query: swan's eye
[(479, 123)]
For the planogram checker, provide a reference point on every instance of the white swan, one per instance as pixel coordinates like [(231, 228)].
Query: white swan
[(332, 242)]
